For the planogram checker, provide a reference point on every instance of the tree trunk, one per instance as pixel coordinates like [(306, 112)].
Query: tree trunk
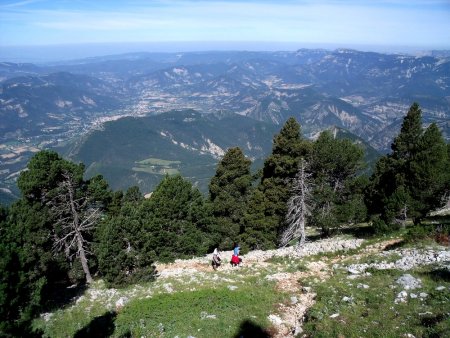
[(83, 259), (301, 242), (298, 207), (76, 223)]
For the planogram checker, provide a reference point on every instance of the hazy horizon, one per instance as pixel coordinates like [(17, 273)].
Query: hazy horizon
[(67, 52), (50, 30)]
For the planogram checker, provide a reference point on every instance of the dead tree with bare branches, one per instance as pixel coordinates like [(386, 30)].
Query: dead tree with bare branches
[(75, 218), (299, 206)]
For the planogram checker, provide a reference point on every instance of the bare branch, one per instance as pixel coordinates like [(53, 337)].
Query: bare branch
[(298, 206), (75, 219)]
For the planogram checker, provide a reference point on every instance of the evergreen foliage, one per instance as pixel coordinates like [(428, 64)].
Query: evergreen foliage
[(335, 164), (59, 205), (74, 204), (29, 269), (121, 247), (175, 220), (173, 223), (229, 190), (266, 223), (411, 180)]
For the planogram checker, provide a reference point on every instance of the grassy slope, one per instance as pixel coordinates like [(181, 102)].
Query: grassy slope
[(241, 300)]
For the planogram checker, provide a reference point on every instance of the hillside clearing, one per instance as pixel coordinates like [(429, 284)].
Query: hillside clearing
[(334, 286)]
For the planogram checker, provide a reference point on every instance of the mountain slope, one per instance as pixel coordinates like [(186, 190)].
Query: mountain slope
[(33, 104), (137, 151)]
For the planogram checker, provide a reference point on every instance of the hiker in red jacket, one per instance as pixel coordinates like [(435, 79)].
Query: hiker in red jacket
[(235, 259)]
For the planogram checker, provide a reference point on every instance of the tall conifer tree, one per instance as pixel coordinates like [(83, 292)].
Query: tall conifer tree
[(266, 223), (229, 190), (411, 180), (334, 164)]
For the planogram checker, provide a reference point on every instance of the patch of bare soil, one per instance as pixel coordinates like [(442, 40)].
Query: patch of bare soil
[(290, 316)]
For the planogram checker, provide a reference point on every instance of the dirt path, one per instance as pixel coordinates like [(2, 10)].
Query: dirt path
[(288, 318)]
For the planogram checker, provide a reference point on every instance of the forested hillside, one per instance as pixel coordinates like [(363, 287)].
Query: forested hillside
[(68, 229), (57, 105)]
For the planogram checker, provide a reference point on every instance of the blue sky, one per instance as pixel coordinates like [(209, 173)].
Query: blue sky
[(415, 23)]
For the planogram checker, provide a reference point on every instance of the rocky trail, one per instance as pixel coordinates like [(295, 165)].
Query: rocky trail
[(287, 267), (289, 317)]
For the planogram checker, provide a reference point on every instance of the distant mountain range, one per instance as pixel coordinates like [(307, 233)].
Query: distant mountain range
[(363, 92)]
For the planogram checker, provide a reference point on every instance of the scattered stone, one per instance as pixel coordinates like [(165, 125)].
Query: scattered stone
[(347, 299), (47, 316), (401, 297), (297, 330), (413, 295), (306, 289), (353, 271), (408, 335), (205, 315), (423, 295), (168, 287), (353, 276), (121, 302), (294, 300), (274, 319), (161, 327), (362, 286), (409, 282), (440, 288), (232, 287), (410, 258), (334, 315)]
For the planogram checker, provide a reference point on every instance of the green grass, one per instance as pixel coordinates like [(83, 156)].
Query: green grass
[(183, 314), (157, 171), (288, 264), (157, 166), (180, 313), (157, 161), (373, 312)]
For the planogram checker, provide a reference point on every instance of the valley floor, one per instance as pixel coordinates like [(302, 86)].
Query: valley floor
[(341, 286)]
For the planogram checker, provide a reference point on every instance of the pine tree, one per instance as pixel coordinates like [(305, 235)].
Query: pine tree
[(411, 180), (429, 170), (406, 144), (229, 190), (267, 223), (334, 164), (29, 269), (58, 185), (175, 220), (121, 248)]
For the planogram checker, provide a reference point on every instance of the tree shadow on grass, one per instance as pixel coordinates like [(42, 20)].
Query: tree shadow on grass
[(59, 295), (440, 274), (396, 245), (248, 329), (99, 327), (358, 231)]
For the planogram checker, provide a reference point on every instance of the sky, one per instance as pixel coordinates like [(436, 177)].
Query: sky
[(231, 24)]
